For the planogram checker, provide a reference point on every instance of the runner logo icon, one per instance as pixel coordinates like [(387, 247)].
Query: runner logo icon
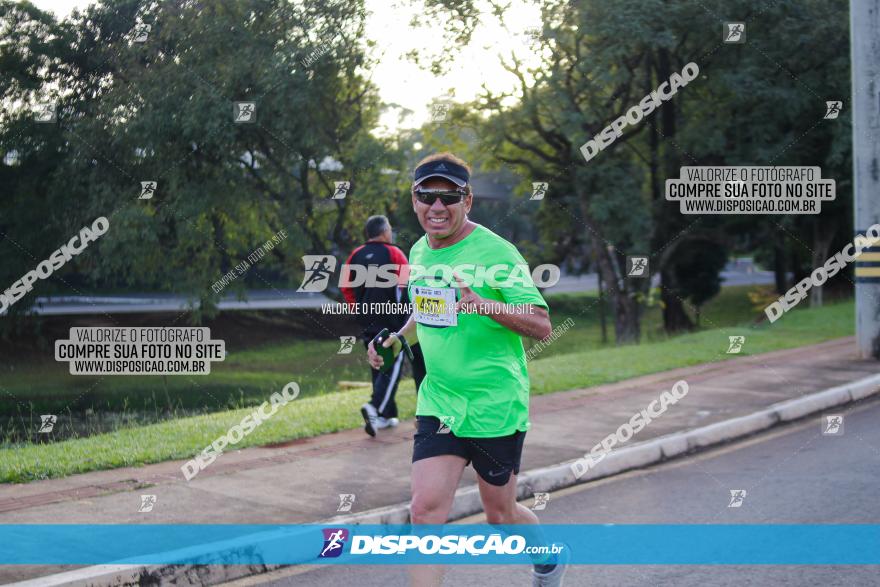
[(541, 501), (346, 344), (334, 541), (833, 425), (47, 423), (539, 189), (637, 266), (147, 503), (736, 344), (735, 32), (737, 496), (832, 109), (341, 189), (346, 500), (445, 423), (318, 269), (148, 189)]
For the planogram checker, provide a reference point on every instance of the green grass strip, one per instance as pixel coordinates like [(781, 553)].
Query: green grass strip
[(551, 371)]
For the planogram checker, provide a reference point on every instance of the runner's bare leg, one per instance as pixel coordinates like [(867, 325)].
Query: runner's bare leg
[(501, 508), (500, 504), (434, 481)]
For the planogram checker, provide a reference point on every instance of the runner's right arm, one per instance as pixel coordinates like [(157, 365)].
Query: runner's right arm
[(408, 331)]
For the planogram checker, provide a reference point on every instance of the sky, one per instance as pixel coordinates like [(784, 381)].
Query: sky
[(403, 83)]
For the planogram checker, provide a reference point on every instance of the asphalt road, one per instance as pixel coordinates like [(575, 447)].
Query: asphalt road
[(793, 475)]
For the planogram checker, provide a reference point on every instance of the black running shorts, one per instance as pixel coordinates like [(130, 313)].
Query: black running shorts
[(494, 459)]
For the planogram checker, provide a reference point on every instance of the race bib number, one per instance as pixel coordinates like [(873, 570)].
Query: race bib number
[(434, 306)]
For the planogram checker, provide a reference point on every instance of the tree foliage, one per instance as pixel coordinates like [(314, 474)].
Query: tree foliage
[(162, 110), (759, 103)]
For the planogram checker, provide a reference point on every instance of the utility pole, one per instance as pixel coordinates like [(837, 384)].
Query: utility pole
[(865, 42)]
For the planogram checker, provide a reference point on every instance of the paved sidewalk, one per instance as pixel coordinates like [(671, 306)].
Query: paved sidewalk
[(300, 481)]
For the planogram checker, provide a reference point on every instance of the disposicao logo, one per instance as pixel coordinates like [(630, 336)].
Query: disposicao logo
[(334, 541)]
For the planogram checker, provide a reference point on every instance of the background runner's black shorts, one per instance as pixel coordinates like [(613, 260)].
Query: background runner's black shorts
[(494, 459)]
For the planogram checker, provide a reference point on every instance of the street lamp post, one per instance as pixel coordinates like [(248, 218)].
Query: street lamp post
[(865, 41)]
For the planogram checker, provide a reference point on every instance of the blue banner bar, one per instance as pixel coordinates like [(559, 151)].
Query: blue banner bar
[(631, 544)]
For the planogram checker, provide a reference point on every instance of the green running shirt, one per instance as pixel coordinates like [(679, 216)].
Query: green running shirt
[(477, 381)]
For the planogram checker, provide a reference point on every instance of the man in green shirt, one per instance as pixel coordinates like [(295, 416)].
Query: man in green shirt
[(473, 298)]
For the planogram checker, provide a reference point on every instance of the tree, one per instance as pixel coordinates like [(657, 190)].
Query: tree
[(698, 272), (162, 110), (600, 59)]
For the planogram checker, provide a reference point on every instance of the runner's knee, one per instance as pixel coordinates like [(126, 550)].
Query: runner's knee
[(429, 508), (500, 513)]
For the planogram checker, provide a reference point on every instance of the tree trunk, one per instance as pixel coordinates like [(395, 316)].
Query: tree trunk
[(668, 220), (675, 318), (627, 327), (780, 267), (627, 324), (823, 235), (602, 302), (623, 302)]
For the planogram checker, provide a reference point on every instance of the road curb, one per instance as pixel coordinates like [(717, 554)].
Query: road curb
[(220, 565)]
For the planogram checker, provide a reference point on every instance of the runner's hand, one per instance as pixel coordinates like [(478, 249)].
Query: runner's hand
[(375, 359), (469, 301)]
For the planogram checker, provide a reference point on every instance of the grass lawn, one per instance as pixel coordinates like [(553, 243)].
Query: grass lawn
[(245, 377), (92, 404), (577, 359)]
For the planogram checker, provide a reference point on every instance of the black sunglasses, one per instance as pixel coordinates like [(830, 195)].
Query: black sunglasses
[(448, 198)]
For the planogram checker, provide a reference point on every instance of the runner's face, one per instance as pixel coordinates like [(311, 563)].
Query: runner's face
[(437, 220)]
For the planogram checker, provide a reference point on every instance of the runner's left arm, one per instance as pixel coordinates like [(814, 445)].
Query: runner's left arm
[(524, 319), (523, 309)]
